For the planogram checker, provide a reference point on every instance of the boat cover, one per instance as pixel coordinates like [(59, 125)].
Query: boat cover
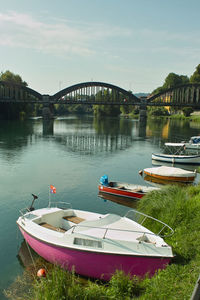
[(170, 171)]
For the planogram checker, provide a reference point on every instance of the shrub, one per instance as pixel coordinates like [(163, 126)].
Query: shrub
[(159, 111), (187, 111)]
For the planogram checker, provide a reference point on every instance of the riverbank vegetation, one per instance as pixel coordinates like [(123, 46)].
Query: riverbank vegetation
[(178, 207)]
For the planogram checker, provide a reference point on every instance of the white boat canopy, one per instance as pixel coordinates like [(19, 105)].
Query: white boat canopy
[(175, 144)]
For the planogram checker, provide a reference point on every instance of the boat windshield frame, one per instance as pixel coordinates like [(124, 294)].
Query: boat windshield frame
[(105, 230), (146, 217), (175, 148)]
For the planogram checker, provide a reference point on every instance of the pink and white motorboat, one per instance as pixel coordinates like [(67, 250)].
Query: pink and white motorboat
[(96, 245)]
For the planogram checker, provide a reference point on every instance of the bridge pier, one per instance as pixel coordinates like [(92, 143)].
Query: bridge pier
[(143, 110), (47, 112), (48, 127), (143, 115)]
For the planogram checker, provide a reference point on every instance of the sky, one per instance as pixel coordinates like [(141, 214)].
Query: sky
[(133, 44)]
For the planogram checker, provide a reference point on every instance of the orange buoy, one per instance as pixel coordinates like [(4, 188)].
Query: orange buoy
[(41, 273)]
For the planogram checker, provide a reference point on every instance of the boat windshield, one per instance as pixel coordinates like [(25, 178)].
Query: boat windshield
[(195, 140)]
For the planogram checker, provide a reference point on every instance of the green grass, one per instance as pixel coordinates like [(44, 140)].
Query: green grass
[(177, 206), (195, 118)]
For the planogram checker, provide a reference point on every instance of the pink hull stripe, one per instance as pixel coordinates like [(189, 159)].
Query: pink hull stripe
[(95, 265)]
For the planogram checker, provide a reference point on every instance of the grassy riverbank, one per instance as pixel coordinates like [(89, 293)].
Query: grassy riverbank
[(192, 118), (178, 207)]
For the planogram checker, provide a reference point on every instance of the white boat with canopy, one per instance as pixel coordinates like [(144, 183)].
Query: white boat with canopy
[(175, 153), (193, 143)]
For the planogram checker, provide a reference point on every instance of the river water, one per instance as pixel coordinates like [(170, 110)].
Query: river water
[(71, 153)]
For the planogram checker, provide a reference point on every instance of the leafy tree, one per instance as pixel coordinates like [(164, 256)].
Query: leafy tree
[(14, 111), (172, 80), (12, 78), (195, 78)]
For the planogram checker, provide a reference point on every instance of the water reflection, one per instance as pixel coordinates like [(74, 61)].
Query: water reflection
[(182, 166), (103, 135), (160, 182), (26, 255), (172, 130), (90, 135), (82, 134), (132, 203), (142, 130), (13, 134), (48, 127)]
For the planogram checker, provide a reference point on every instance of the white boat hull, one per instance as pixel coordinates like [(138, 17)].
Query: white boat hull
[(178, 159)]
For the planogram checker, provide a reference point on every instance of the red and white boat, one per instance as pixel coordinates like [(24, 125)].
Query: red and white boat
[(123, 189), (96, 245)]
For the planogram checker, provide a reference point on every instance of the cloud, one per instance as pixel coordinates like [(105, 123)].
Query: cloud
[(58, 38)]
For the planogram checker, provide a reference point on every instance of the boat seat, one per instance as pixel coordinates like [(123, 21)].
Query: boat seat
[(49, 226), (74, 219)]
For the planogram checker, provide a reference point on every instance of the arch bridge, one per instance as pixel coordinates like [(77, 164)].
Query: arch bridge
[(182, 95), (85, 93), (101, 93)]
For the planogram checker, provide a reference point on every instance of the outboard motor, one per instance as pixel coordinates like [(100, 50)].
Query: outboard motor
[(104, 180), (31, 208)]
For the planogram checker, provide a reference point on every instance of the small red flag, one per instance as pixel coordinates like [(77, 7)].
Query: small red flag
[(52, 189)]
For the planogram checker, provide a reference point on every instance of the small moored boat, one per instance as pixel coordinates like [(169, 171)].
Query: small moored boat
[(178, 159), (175, 154), (170, 174), (193, 143), (96, 245), (123, 189)]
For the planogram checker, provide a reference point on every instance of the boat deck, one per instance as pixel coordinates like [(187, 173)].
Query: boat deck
[(49, 226), (75, 220)]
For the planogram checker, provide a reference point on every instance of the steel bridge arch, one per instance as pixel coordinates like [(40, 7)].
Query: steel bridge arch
[(88, 84), (185, 94), (18, 92)]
